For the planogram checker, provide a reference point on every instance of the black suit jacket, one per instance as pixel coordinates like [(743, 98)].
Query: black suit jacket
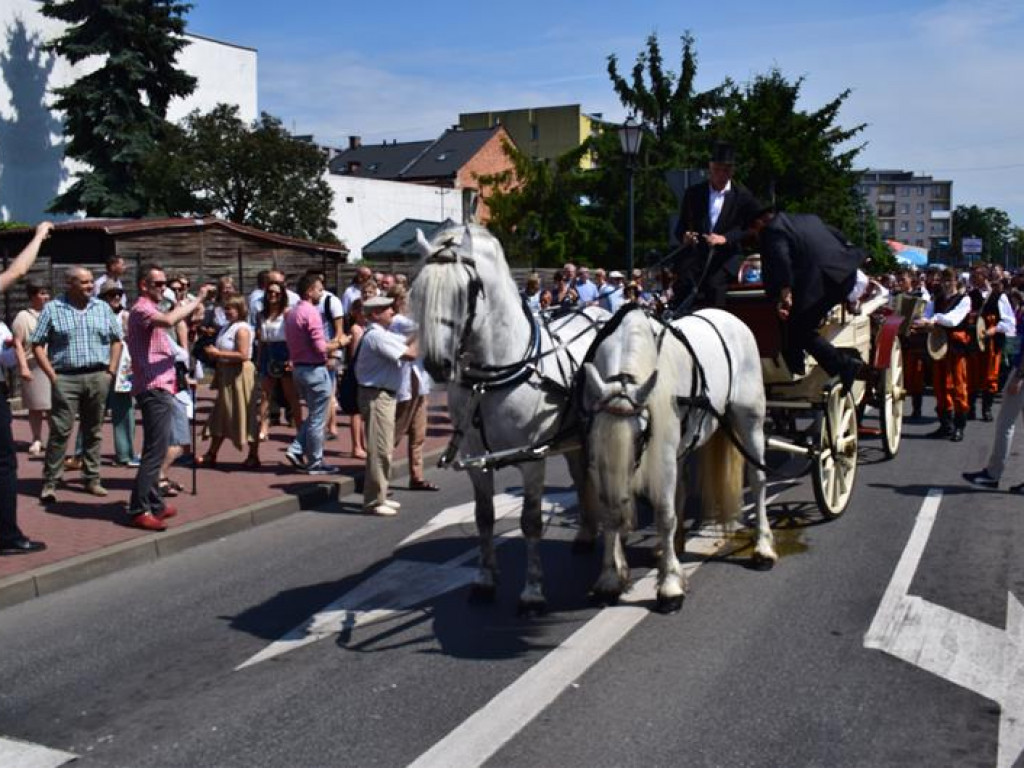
[(815, 260), (726, 259)]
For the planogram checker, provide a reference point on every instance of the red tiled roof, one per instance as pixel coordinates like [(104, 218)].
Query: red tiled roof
[(129, 226)]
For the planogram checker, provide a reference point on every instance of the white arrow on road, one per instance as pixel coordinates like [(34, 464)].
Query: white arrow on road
[(403, 584), (963, 650)]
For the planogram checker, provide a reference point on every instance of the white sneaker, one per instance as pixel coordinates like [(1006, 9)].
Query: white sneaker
[(382, 510), (36, 449), (391, 503)]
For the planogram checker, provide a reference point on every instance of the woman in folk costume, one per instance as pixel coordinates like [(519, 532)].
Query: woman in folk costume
[(948, 310)]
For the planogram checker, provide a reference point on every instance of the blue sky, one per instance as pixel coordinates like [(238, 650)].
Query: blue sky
[(939, 83)]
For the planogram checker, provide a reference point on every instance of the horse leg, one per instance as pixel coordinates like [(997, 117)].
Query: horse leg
[(484, 585), (586, 537), (532, 524), (753, 440), (671, 579)]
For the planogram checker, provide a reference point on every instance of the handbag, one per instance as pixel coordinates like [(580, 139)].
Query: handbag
[(348, 387)]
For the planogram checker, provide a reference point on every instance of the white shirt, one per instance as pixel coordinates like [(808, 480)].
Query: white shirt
[(380, 358), (337, 313), (226, 337), (349, 295), (8, 358), (272, 329), (716, 200), (950, 319), (411, 369)]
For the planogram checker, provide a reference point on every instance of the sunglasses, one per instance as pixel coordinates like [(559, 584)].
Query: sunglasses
[(177, 288), (158, 283)]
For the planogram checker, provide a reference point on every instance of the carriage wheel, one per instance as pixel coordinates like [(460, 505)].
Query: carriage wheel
[(890, 401), (836, 469)]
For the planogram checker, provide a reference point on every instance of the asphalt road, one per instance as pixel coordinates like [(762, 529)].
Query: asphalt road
[(140, 668)]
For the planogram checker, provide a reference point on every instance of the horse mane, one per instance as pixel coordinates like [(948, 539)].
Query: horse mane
[(440, 293)]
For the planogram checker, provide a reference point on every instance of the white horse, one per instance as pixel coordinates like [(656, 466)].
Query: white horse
[(653, 391), (510, 375)]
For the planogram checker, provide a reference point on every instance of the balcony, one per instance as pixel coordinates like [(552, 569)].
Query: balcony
[(940, 215)]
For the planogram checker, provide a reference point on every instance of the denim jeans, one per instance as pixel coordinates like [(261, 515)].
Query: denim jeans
[(122, 418), (314, 386)]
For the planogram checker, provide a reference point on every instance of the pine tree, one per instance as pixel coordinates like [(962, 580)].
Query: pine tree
[(116, 115)]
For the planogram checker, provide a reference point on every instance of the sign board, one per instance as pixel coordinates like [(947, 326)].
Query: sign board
[(971, 245)]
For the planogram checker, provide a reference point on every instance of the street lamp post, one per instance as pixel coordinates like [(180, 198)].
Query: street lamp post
[(630, 134)]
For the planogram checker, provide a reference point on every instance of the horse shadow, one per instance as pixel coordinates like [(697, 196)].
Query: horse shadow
[(450, 623)]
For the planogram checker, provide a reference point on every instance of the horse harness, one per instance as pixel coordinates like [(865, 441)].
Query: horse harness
[(697, 402), (482, 379)]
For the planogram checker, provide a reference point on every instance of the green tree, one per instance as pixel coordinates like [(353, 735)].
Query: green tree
[(116, 115), (256, 174), (797, 160), (992, 225)]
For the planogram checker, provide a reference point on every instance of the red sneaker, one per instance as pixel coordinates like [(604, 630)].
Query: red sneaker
[(166, 513), (147, 521)]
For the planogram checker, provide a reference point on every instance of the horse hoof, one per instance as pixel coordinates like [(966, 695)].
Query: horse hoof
[(668, 605), (531, 608), (482, 593), (584, 547), (761, 563)]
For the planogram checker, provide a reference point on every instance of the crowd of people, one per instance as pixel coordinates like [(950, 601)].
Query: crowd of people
[(272, 355)]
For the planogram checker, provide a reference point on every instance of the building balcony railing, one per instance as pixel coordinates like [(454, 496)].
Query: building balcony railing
[(887, 198)]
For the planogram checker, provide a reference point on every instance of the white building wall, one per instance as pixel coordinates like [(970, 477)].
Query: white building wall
[(364, 209), (32, 168)]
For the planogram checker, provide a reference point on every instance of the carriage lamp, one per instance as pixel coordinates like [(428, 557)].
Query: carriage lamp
[(630, 134)]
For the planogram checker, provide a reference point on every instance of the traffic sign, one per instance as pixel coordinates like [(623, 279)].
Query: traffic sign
[(971, 245)]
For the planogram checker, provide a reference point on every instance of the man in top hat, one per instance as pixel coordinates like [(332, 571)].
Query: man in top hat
[(808, 267), (710, 231)]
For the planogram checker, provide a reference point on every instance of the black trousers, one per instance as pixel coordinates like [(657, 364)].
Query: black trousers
[(802, 335), (157, 406), (9, 530)]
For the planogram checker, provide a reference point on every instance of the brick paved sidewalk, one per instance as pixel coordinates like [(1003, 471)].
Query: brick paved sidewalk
[(79, 524)]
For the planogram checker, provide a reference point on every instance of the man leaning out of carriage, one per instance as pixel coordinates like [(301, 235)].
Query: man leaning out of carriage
[(808, 267)]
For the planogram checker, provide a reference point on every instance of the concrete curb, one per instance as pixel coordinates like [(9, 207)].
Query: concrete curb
[(54, 577)]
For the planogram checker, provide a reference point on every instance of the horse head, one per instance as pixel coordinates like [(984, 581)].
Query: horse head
[(461, 275)]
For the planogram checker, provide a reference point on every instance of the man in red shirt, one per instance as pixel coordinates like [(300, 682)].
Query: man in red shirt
[(154, 383)]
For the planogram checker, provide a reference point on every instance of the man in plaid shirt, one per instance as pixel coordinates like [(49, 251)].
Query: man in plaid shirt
[(77, 345)]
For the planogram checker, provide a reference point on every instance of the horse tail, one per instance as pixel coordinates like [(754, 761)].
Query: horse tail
[(720, 473)]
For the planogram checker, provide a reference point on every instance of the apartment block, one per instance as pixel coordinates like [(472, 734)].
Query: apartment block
[(916, 210)]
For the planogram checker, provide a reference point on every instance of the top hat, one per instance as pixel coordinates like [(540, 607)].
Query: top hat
[(723, 152)]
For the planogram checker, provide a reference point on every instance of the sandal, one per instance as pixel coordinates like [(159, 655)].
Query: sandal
[(422, 485), (168, 488)]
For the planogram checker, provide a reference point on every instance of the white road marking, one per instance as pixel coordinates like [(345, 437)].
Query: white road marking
[(958, 648), (22, 754), (487, 730)]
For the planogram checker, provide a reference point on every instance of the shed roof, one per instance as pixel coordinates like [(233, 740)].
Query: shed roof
[(116, 227)]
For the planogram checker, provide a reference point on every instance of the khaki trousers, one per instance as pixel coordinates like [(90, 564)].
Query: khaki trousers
[(83, 395), (378, 411), (411, 422)]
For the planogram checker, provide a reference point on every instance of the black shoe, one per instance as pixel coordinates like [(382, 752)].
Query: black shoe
[(851, 369), (981, 478), (945, 428), (1018, 489), (957, 436), (21, 546)]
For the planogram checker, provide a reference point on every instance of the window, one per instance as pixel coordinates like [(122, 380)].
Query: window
[(904, 226), (904, 191), (887, 226), (920, 207), (905, 208), (920, 226), (920, 190), (534, 132)]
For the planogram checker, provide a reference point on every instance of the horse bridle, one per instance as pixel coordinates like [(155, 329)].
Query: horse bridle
[(472, 374)]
